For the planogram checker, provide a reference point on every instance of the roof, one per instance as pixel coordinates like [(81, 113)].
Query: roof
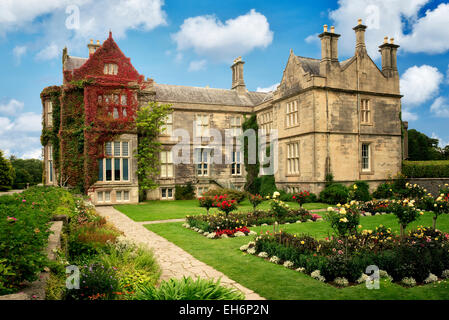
[(175, 93), (72, 63), (310, 65)]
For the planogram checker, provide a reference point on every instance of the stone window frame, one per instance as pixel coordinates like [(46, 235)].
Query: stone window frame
[(49, 113), (168, 125), (50, 163), (204, 165), (291, 114), (110, 69), (293, 158), (366, 112), (103, 194), (122, 194), (235, 126), (265, 119), (236, 165), (113, 156), (203, 189), (204, 126), (167, 163), (370, 170), (168, 190)]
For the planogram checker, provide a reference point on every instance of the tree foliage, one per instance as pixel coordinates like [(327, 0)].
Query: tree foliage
[(28, 171), (150, 124), (252, 170), (421, 147), (7, 173)]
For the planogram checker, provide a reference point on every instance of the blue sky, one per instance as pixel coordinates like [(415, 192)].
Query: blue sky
[(194, 43)]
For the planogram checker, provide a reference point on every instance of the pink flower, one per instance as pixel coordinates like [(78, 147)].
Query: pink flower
[(340, 252), (24, 200)]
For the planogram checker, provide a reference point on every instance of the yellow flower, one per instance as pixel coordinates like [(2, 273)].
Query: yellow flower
[(302, 242), (343, 220)]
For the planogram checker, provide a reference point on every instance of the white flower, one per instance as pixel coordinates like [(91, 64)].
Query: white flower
[(445, 274), (330, 209), (239, 234), (362, 278), (211, 235), (300, 269), (251, 250), (263, 254), (252, 233), (431, 278), (317, 275), (244, 247), (409, 282), (275, 259), (341, 282), (276, 194), (288, 264)]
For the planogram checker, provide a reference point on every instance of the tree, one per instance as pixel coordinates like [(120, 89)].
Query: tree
[(252, 184), (7, 173), (150, 124), (28, 171), (421, 147)]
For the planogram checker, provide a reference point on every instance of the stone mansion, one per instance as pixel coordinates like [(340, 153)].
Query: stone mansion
[(332, 116)]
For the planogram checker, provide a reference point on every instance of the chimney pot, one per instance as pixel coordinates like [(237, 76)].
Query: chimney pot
[(333, 29), (325, 28), (359, 21), (392, 40), (386, 40), (98, 42), (92, 41)]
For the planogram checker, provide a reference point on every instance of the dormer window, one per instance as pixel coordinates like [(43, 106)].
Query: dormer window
[(110, 68)]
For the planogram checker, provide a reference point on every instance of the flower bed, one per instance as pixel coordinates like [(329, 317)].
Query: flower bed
[(24, 223), (419, 258), (220, 225)]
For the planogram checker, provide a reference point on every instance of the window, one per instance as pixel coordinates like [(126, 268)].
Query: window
[(292, 114), (49, 106), (50, 163), (103, 196), (200, 191), (121, 195), (266, 121), (365, 111), (166, 193), (110, 68), (366, 155), (115, 104), (236, 126), (236, 164), (115, 167), (202, 125), (166, 164), (293, 158), (168, 126), (202, 157)]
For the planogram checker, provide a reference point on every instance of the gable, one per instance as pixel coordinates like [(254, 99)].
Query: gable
[(110, 53)]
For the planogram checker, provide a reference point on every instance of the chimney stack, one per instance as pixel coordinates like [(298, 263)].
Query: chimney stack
[(237, 76), (388, 52), (329, 49), (360, 46), (93, 47)]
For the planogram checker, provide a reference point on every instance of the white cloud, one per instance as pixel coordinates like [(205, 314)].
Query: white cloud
[(420, 84), (440, 107), (408, 116), (33, 154), (441, 142), (447, 74), (11, 107), (313, 38), (210, 37), (197, 65), (388, 18), (268, 89), (18, 52), (49, 52), (28, 122), (96, 18)]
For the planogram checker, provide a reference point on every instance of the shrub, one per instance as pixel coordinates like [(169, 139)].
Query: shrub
[(267, 185), (335, 193), (223, 203), (97, 282), (185, 192), (232, 194), (359, 191), (383, 191), (255, 200), (6, 173), (206, 202), (426, 169), (301, 197), (344, 220), (188, 289)]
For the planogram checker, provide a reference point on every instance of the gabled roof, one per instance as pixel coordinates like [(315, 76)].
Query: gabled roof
[(72, 63), (175, 93), (310, 65)]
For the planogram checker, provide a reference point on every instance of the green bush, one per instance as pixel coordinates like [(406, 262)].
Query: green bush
[(334, 193), (267, 185), (7, 173), (188, 289), (383, 191), (426, 169), (233, 194), (360, 191), (185, 192)]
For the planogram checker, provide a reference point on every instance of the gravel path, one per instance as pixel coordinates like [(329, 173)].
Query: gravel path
[(174, 261)]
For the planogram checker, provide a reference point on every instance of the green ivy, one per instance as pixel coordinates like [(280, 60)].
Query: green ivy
[(252, 170)]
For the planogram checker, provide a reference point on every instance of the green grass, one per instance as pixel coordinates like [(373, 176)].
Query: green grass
[(164, 210), (277, 282)]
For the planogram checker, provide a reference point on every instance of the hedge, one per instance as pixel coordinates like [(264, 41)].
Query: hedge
[(426, 169)]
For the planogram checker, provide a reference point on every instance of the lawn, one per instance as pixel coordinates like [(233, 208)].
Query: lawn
[(164, 210), (277, 282)]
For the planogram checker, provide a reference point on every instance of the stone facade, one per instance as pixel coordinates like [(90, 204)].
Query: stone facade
[(332, 117)]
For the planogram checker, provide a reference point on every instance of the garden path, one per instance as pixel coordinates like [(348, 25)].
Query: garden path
[(174, 261)]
